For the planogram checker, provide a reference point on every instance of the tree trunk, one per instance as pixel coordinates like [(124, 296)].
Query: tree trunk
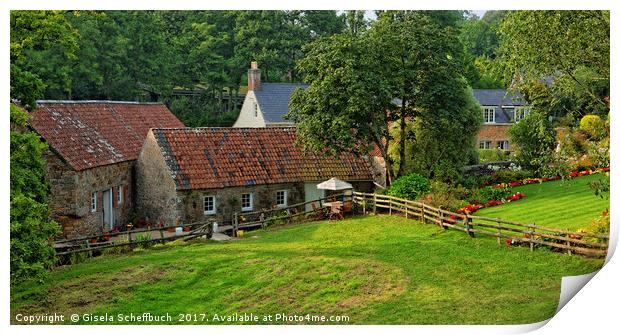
[(401, 142)]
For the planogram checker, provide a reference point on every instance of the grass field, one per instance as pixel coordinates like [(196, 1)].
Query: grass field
[(374, 270), (566, 204)]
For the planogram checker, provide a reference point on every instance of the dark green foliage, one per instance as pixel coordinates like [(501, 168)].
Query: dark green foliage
[(446, 196), (534, 138), (409, 187), (485, 194), (569, 48), (31, 251), (152, 55)]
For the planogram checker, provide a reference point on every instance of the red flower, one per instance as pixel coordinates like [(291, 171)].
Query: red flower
[(605, 169), (574, 174), (516, 183), (585, 173), (508, 242)]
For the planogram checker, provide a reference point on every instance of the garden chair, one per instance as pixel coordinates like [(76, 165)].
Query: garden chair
[(318, 212), (335, 213)]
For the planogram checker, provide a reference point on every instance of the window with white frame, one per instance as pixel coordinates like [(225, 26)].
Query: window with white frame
[(119, 194), (281, 198), (246, 202), (485, 144), (209, 205), (503, 145), (521, 113), (489, 114), (93, 202)]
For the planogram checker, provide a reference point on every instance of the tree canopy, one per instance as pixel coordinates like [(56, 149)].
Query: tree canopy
[(407, 67)]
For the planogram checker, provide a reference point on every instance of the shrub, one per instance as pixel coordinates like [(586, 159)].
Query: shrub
[(534, 138), (32, 253), (486, 194), (599, 225), (493, 155), (446, 196), (593, 125), (409, 187), (507, 176), (144, 240)]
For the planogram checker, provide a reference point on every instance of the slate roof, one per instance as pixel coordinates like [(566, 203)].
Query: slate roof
[(499, 97), (273, 99), (88, 134), (205, 158)]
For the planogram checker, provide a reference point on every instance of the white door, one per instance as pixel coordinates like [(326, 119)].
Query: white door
[(312, 193), (108, 212)]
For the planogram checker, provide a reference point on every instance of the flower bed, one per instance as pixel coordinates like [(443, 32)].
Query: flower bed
[(473, 207)]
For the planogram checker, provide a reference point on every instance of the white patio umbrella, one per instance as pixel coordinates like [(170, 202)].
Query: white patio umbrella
[(334, 184)]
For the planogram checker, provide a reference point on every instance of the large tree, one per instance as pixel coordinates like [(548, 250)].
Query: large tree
[(567, 49), (405, 68)]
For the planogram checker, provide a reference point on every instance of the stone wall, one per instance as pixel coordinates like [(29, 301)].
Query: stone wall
[(228, 200), (494, 133), (70, 200), (156, 200)]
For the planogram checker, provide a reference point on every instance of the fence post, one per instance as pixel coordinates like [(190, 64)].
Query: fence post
[(568, 245), (129, 239), (374, 204), (532, 230), (406, 207), (468, 220), (390, 202), (364, 203), (235, 225), (423, 213), (499, 233), (440, 218), (161, 235), (261, 218)]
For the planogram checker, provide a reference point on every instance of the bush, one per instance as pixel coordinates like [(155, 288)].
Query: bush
[(507, 176), (409, 187), (144, 240), (593, 125), (493, 155), (32, 253), (446, 196), (534, 139), (486, 194)]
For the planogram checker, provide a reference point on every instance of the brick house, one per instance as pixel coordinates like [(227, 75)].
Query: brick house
[(93, 146), (500, 110), (195, 174)]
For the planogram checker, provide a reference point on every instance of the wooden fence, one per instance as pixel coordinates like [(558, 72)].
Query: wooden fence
[(129, 238), (515, 232), (297, 212)]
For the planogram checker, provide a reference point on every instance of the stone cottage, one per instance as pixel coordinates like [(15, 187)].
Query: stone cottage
[(93, 146), (195, 174), (500, 110)]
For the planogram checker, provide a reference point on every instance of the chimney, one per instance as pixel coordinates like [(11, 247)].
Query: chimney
[(254, 77)]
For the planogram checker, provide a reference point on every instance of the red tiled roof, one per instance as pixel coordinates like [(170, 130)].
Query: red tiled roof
[(88, 134), (203, 158)]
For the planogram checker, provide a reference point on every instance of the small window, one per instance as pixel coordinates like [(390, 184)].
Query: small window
[(521, 113), (503, 145), (246, 202), (209, 205), (281, 198), (93, 202), (255, 109), (485, 145), (489, 114), (119, 194)]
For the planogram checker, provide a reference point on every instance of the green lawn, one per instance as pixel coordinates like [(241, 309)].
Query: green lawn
[(566, 204), (375, 270)]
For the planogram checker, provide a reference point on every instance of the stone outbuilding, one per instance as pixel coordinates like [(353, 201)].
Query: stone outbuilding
[(93, 146), (196, 174)]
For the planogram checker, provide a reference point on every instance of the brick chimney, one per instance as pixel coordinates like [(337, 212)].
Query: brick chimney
[(254, 77)]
